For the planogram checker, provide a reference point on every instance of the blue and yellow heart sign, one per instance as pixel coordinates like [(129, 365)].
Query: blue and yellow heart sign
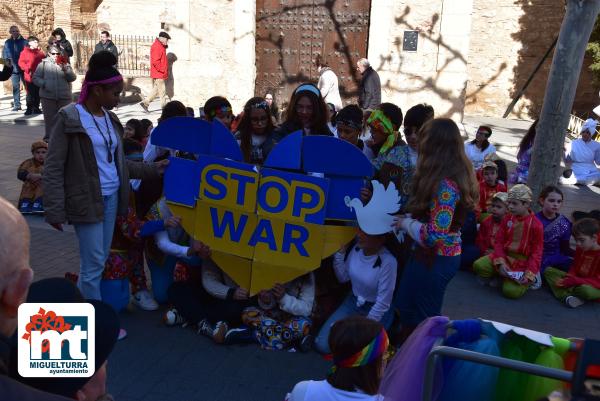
[(264, 225)]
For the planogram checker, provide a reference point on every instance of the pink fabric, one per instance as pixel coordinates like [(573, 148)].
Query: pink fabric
[(404, 376), (85, 88)]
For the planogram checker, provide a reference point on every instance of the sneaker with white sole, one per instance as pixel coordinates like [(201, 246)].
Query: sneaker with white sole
[(537, 282), (173, 318), (573, 301), (219, 332), (143, 300), (122, 334)]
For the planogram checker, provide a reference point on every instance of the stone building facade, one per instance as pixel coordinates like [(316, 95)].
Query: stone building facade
[(461, 56)]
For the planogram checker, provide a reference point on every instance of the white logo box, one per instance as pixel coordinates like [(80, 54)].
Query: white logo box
[(77, 362)]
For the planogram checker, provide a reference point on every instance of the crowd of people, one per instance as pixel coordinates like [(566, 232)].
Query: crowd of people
[(456, 210)]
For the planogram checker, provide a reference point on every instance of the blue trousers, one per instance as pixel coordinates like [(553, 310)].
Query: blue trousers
[(16, 80), (420, 293), (94, 247), (347, 308)]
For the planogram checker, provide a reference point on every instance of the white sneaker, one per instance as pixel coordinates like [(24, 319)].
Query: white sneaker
[(537, 283), (173, 318), (143, 300), (573, 301)]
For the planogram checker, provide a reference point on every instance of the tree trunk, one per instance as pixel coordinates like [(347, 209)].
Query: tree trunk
[(564, 74)]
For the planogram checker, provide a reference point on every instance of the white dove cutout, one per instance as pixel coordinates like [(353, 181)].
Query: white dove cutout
[(375, 217)]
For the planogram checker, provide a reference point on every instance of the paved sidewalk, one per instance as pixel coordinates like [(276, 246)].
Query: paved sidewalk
[(160, 363)]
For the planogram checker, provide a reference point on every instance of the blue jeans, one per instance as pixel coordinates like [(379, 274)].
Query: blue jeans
[(16, 84), (94, 247), (420, 293), (347, 308)]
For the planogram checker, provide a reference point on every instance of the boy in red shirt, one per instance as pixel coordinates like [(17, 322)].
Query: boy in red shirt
[(582, 282), (488, 186), (486, 236), (518, 249), (28, 61)]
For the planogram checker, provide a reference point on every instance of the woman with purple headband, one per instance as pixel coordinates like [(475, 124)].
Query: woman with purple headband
[(86, 175)]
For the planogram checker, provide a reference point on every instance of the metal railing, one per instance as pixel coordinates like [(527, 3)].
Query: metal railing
[(134, 53)]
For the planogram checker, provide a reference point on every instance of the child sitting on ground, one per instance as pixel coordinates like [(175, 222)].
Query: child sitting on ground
[(557, 230), (488, 229), (488, 186), (582, 282), (30, 172), (518, 249)]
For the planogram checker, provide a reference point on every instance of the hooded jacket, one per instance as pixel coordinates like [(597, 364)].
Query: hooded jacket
[(63, 43), (29, 60), (72, 191)]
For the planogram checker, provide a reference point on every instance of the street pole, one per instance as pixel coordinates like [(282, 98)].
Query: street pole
[(564, 74)]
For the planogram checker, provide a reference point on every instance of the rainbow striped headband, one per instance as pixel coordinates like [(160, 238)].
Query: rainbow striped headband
[(367, 355)]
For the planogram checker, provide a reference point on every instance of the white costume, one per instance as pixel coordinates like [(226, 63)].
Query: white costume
[(585, 158), (476, 155)]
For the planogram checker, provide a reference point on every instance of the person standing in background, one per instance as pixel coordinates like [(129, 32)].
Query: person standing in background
[(59, 38), (158, 70), (106, 44), (12, 51), (328, 84), (30, 57), (369, 91)]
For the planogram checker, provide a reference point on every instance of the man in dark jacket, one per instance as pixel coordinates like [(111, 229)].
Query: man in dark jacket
[(12, 51), (15, 277), (369, 95), (106, 44)]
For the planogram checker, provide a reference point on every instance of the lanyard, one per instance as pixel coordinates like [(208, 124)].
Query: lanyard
[(108, 143)]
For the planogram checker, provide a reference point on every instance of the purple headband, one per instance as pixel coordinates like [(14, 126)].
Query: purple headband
[(85, 88)]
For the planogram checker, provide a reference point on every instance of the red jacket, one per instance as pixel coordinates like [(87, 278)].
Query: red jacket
[(29, 60), (486, 193), (158, 61), (522, 236), (486, 236)]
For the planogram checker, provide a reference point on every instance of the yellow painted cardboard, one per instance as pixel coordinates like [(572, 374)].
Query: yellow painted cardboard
[(266, 275), (203, 230), (187, 214), (336, 237), (232, 186), (292, 259), (239, 269)]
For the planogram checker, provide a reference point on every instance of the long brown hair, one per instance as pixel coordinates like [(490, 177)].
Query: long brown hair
[(441, 155), (347, 337), (320, 113), (528, 139), (245, 126)]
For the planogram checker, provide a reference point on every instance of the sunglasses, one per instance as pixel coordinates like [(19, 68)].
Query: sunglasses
[(55, 54)]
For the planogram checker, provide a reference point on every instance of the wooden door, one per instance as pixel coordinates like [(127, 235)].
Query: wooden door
[(292, 34)]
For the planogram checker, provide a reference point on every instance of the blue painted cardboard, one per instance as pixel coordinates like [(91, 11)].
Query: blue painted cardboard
[(300, 203), (287, 154), (223, 143), (181, 181), (339, 188), (183, 133), (330, 155)]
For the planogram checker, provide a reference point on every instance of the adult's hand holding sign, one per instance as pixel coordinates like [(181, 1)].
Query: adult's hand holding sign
[(263, 226)]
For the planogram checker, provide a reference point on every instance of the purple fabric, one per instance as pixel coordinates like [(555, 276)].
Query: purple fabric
[(519, 176), (557, 233), (405, 374)]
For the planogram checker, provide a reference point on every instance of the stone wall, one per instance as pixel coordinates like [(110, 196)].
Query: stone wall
[(509, 38), (212, 43), (33, 17), (436, 73)]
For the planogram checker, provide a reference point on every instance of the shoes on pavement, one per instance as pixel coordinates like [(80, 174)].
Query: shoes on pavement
[(573, 301), (37, 111), (122, 334), (143, 300), (173, 318), (38, 206), (26, 206), (28, 112), (16, 108)]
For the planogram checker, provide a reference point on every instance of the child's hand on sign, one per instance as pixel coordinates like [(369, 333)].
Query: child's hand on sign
[(240, 294), (173, 221), (200, 249), (278, 291)]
